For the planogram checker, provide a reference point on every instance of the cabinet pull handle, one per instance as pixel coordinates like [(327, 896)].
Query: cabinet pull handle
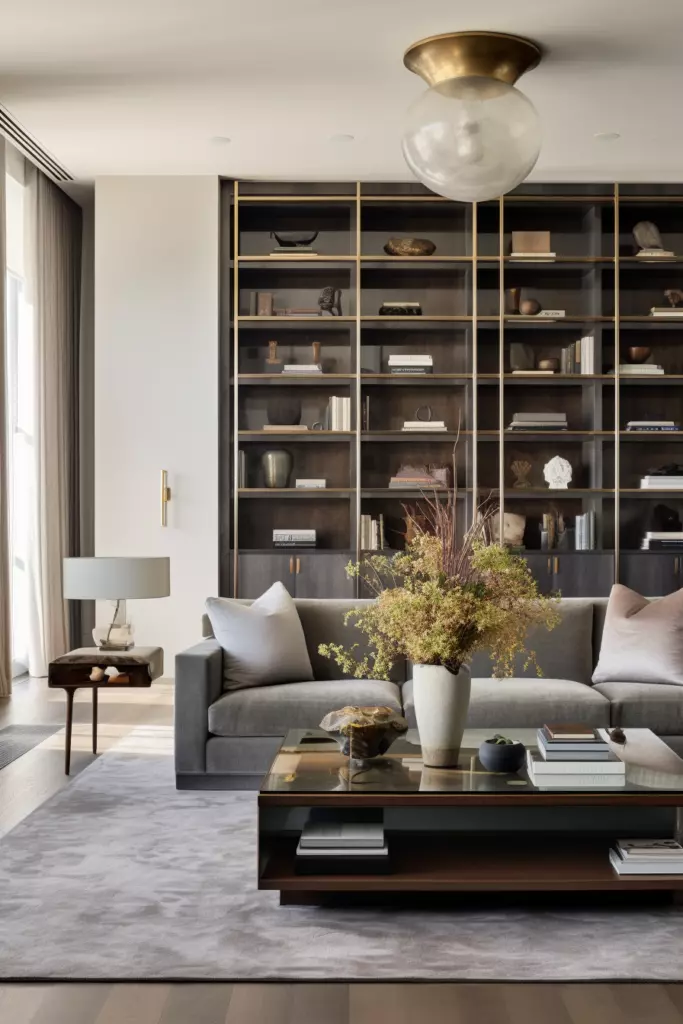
[(550, 568), (165, 497), (298, 566), (556, 564), (677, 563), (291, 563)]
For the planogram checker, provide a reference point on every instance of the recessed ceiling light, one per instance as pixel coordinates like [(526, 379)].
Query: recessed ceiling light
[(607, 136), (220, 140), (342, 137)]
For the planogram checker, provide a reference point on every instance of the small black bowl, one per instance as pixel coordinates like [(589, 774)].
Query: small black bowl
[(502, 757)]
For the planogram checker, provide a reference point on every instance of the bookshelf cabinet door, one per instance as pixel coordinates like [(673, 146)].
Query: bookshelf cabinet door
[(323, 575), (579, 574), (258, 571), (651, 573), (540, 563)]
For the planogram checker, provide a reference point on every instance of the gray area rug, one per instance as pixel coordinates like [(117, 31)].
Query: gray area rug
[(120, 876), (16, 740)]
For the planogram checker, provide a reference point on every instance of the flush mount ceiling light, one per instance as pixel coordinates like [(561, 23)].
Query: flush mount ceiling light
[(472, 136)]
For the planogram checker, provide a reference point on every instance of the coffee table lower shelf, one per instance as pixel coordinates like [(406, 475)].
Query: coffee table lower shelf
[(421, 863)]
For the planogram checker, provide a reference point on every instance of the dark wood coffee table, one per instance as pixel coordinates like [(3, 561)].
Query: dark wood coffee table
[(467, 830)]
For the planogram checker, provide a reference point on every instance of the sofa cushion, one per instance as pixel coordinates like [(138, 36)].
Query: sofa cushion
[(263, 643), (526, 703), (565, 652), (642, 640), (272, 710), (655, 706)]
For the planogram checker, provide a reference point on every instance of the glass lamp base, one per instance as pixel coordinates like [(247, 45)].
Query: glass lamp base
[(117, 635)]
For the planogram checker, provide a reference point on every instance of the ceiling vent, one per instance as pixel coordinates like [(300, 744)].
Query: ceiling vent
[(13, 131)]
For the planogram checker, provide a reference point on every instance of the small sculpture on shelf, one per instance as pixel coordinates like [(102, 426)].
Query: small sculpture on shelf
[(674, 295), (530, 307), (330, 301), (364, 732), (273, 361), (521, 469), (649, 241), (409, 247), (512, 297), (557, 473), (294, 241)]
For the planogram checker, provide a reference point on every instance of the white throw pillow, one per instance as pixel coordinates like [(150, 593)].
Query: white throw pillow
[(642, 641), (263, 642)]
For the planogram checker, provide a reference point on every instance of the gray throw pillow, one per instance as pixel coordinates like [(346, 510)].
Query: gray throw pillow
[(263, 642), (642, 641)]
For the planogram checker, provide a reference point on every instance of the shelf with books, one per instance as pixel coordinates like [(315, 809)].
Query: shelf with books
[(275, 493), (296, 437)]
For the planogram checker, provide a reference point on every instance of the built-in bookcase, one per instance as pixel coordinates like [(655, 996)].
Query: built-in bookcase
[(463, 291)]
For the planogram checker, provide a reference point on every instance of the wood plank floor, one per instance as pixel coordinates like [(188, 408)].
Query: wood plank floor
[(33, 778), (334, 1003)]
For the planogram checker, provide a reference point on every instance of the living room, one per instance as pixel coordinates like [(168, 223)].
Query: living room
[(341, 591)]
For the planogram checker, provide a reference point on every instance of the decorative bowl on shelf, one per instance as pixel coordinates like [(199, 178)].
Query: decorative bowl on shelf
[(552, 363), (530, 307), (294, 238), (364, 732), (409, 247), (638, 353), (500, 754)]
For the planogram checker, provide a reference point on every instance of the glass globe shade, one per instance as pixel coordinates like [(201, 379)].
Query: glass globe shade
[(471, 139)]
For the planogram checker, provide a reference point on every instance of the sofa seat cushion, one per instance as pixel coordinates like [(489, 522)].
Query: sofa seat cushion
[(526, 703), (272, 710), (656, 706)]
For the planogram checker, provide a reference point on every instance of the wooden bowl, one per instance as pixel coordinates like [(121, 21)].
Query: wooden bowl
[(548, 364), (638, 353), (529, 307)]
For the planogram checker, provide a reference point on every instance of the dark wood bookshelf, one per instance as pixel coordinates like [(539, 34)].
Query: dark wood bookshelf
[(466, 326)]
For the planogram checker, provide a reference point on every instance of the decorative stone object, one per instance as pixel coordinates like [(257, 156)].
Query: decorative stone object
[(329, 301), (530, 307), (97, 674), (647, 235), (514, 525), (521, 469), (557, 473), (674, 295), (364, 732), (409, 247)]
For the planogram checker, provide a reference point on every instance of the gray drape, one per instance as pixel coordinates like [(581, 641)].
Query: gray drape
[(5, 591), (54, 245)]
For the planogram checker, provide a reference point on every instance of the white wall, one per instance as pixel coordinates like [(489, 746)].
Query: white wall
[(156, 389)]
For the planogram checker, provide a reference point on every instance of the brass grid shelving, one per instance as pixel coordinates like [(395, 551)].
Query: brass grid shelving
[(473, 380)]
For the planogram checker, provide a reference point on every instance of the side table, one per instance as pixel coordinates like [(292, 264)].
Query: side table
[(71, 672)]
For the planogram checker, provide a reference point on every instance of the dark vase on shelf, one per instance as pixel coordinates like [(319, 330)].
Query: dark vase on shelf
[(283, 411)]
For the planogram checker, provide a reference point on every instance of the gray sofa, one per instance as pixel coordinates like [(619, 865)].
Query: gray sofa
[(227, 740)]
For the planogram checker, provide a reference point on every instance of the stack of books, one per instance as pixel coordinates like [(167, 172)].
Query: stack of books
[(413, 478), (647, 857), (584, 532), (411, 364), (294, 538), (372, 533), (305, 368), (544, 314), (339, 413), (539, 421), (342, 848), (668, 311), (654, 426), (640, 369), (536, 257), (579, 357), (574, 756), (655, 254), (424, 426), (661, 483), (662, 540)]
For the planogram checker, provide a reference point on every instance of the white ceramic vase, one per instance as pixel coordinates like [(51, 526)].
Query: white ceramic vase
[(441, 701)]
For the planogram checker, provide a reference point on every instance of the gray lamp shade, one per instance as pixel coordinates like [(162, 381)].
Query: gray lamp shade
[(114, 579)]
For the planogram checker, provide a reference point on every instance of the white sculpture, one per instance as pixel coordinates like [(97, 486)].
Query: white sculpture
[(513, 529), (557, 473)]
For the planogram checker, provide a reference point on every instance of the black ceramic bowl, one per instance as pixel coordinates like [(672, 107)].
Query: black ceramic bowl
[(502, 757)]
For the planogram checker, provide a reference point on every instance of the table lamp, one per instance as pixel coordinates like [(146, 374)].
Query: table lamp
[(115, 579)]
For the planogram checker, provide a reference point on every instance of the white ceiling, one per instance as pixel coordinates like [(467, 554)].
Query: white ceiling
[(142, 86)]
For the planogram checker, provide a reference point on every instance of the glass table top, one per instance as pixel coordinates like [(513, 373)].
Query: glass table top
[(309, 761)]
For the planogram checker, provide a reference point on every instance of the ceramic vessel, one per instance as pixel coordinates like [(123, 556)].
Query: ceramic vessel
[(277, 465), (502, 757), (442, 701), (638, 353), (283, 411)]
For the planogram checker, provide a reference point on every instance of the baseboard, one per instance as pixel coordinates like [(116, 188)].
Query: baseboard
[(252, 782)]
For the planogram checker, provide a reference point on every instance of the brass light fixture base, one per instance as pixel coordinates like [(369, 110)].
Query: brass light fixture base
[(461, 54)]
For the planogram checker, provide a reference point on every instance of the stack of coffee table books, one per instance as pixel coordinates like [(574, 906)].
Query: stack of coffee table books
[(342, 848), (574, 757), (647, 857)]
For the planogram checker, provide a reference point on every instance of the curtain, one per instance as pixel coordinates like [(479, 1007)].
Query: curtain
[(5, 591), (53, 261)]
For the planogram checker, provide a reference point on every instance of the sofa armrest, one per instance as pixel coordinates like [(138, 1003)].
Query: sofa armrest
[(198, 683)]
